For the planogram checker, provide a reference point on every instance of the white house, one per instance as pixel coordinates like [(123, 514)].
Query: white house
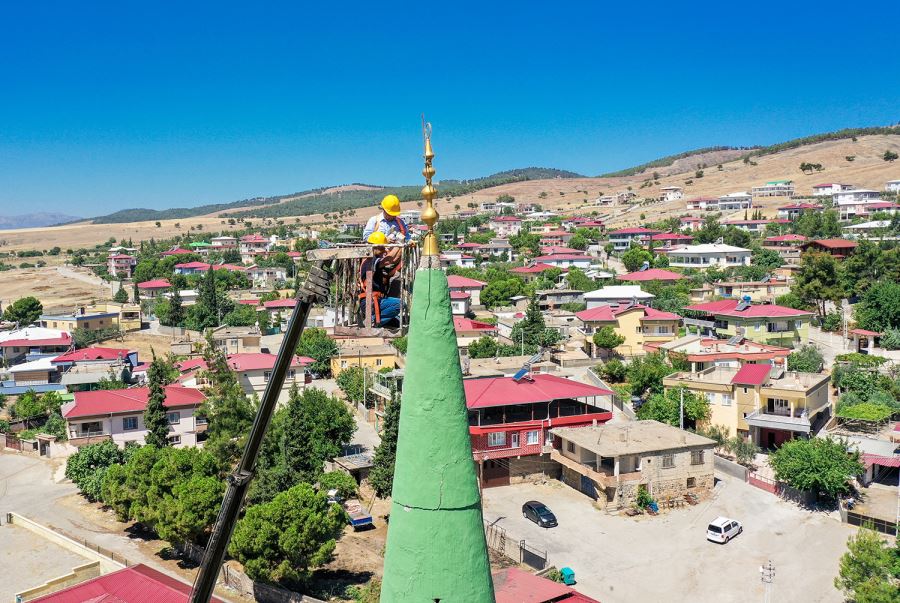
[(266, 276), (453, 257), (565, 260), (735, 201), (829, 188), (774, 188), (855, 196), (498, 247), (709, 254), (505, 226), (118, 415), (867, 228), (621, 239), (223, 242), (703, 204), (614, 294), (460, 303), (253, 372), (892, 186), (470, 286), (671, 193), (793, 211)]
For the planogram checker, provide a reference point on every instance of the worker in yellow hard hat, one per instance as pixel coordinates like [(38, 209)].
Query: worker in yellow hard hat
[(388, 221), (385, 309)]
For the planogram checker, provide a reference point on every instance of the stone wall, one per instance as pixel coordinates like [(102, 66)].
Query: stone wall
[(532, 468)]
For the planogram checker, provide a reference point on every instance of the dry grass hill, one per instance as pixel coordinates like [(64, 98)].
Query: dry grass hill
[(867, 170)]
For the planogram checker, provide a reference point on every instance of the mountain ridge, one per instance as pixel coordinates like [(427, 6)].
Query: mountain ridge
[(35, 220)]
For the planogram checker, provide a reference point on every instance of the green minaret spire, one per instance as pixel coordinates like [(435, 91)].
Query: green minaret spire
[(436, 550)]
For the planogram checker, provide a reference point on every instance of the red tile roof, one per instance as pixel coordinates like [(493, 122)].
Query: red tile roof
[(803, 205), (504, 391), (254, 238), (752, 374), (561, 256), (865, 332), (634, 230), (280, 303), (882, 461), (671, 236), (834, 243), (653, 274), (533, 268), (244, 362), (512, 585), (609, 313), (64, 339), (459, 295), (460, 282), (177, 251), (88, 354), (786, 238), (691, 219), (469, 245), (104, 402), (727, 307), (121, 256), (157, 283), (557, 249), (505, 219), (135, 584), (467, 324)]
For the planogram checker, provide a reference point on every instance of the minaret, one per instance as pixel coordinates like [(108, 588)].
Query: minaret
[(436, 550)]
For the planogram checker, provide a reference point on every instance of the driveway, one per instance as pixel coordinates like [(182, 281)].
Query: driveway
[(667, 558)]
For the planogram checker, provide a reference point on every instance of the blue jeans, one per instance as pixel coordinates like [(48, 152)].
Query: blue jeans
[(390, 309)]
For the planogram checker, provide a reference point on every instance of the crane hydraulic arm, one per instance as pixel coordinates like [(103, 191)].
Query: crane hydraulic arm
[(314, 290)]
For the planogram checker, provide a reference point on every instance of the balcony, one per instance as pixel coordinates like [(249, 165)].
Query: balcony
[(603, 478), (764, 419), (83, 438)]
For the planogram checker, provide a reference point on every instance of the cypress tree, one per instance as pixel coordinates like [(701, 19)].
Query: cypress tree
[(155, 414), (381, 477), (176, 310)]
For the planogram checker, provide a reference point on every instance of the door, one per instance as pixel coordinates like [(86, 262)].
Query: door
[(587, 487), (514, 440), (770, 439)]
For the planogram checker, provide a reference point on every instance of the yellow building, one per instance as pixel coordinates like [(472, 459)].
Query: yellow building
[(372, 357), (81, 319), (761, 401), (638, 324), (757, 291), (764, 323)]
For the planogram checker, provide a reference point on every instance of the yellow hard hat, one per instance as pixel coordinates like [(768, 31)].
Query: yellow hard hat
[(377, 237), (391, 205)]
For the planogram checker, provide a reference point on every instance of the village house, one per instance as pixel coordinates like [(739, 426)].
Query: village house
[(865, 230), (505, 226), (616, 294), (83, 369), (251, 245), (703, 204), (266, 276), (468, 330), (638, 324), (788, 246), (760, 401), (754, 226), (559, 249), (411, 216), (829, 188), (621, 239), (707, 352), (764, 323), (188, 268), (541, 228), (650, 274), (36, 375), (81, 319), (735, 201), (549, 299), (532, 271), (565, 260), (510, 421), (32, 343), (691, 223), (839, 248), (455, 257), (460, 303), (253, 372), (892, 186), (118, 415), (794, 210), (371, 357), (513, 585), (222, 243), (231, 340), (498, 248), (463, 284), (175, 251), (669, 239), (154, 288), (556, 237), (671, 193), (709, 255), (855, 196), (611, 462), (774, 188), (762, 291), (121, 265)]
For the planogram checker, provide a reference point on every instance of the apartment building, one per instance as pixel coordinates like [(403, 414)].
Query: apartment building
[(774, 188), (764, 323), (709, 255), (638, 324)]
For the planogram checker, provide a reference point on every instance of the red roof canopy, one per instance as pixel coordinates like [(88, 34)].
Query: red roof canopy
[(609, 313), (561, 256), (104, 402), (834, 243), (653, 274), (135, 584), (64, 339), (504, 391), (177, 251), (280, 303), (865, 332), (467, 324), (459, 295), (157, 283), (461, 282), (634, 230), (727, 307), (532, 269), (512, 585), (786, 237), (88, 354), (752, 374)]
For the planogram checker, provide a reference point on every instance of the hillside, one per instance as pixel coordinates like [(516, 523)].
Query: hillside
[(34, 220)]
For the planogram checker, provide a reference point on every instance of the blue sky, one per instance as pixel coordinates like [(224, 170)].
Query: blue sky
[(105, 106)]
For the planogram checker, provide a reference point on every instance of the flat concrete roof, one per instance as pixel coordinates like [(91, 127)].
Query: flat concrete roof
[(29, 560), (633, 437)]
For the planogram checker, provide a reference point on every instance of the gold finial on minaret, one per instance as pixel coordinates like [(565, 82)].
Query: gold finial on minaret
[(429, 214)]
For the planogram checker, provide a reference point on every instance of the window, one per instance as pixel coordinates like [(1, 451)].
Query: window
[(267, 375), (696, 457), (668, 461), (532, 437), (758, 326), (173, 417), (175, 439), (292, 374), (726, 399), (378, 362), (94, 427), (129, 423), (343, 364), (570, 446), (745, 389), (201, 420), (637, 329), (692, 482), (710, 397), (497, 438)]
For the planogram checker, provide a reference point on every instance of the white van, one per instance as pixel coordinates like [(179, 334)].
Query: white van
[(722, 529)]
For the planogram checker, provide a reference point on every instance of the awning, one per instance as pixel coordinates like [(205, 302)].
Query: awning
[(767, 421), (881, 461)]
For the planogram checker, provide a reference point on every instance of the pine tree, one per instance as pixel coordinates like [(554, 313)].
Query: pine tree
[(136, 293), (121, 296), (227, 409), (176, 310), (155, 420), (381, 477)]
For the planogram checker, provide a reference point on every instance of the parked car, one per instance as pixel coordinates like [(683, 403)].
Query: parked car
[(539, 513), (723, 529)]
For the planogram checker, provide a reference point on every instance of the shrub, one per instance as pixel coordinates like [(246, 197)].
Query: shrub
[(613, 370), (890, 340), (744, 450), (643, 499)]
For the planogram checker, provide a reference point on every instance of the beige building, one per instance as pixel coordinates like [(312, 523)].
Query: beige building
[(610, 462), (638, 324), (372, 357), (761, 402)]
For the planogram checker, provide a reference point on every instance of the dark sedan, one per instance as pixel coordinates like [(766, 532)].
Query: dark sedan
[(539, 513)]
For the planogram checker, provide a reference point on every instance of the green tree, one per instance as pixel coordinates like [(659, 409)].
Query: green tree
[(176, 314), (24, 311), (531, 331), (645, 374), (483, 347), (579, 281), (820, 465), (607, 340), (635, 257), (242, 315), (121, 296), (344, 483), (766, 258), (879, 308), (355, 386), (499, 291), (316, 344), (381, 476), (281, 540), (870, 569), (743, 449), (890, 156), (806, 359), (155, 420), (87, 467), (818, 280), (666, 407), (711, 231), (309, 430)]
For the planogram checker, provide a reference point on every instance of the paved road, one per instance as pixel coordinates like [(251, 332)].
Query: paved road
[(618, 559)]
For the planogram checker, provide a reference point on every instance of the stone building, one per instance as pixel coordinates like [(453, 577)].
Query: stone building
[(610, 462)]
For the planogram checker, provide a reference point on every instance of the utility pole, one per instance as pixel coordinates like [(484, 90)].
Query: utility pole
[(767, 574), (681, 408)]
